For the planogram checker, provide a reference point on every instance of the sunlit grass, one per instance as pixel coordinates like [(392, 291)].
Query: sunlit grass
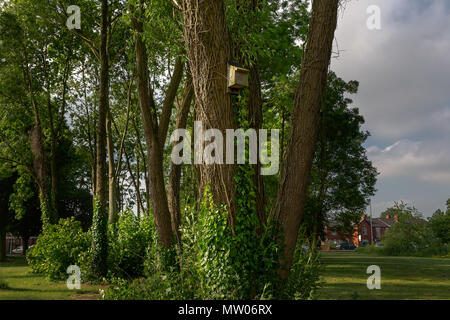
[(22, 284), (345, 277)]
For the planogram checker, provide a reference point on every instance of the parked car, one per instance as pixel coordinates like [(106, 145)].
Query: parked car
[(347, 246), (18, 250), (379, 244)]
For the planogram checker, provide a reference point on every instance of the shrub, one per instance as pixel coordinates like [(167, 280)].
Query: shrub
[(128, 244), (304, 279), (58, 247), (213, 264)]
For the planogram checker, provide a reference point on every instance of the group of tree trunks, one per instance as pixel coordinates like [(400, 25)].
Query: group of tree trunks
[(209, 47)]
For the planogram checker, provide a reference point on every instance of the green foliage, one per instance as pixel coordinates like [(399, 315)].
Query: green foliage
[(129, 240), (410, 236), (58, 247), (99, 231), (215, 264), (304, 279), (342, 177), (440, 224)]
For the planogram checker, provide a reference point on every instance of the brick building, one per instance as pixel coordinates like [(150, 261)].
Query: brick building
[(363, 233), (14, 243), (371, 230)]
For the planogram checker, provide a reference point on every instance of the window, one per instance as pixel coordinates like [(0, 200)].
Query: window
[(378, 231), (364, 231)]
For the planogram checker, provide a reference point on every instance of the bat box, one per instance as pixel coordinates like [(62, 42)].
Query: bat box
[(237, 78)]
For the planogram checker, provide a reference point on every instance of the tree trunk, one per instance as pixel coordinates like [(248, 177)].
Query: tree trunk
[(305, 121), (209, 49), (154, 149), (40, 170), (100, 218), (255, 118), (25, 240), (175, 172), (112, 185)]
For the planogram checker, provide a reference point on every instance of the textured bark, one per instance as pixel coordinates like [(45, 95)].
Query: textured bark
[(40, 171), (53, 142), (209, 49), (255, 118), (169, 99), (305, 122), (154, 149), (173, 189), (100, 218), (37, 147), (112, 182)]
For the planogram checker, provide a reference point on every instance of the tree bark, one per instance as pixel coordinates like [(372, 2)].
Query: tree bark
[(305, 121), (100, 218), (154, 142), (112, 184), (255, 118), (173, 189), (209, 49)]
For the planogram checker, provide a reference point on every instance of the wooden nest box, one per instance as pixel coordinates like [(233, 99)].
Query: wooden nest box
[(237, 77)]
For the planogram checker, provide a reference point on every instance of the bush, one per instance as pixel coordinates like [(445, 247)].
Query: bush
[(212, 264), (128, 244), (304, 279), (58, 247)]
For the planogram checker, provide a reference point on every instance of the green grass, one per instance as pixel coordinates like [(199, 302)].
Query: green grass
[(345, 277), (17, 282)]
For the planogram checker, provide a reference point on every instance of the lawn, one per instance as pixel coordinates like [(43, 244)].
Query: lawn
[(22, 284), (345, 277)]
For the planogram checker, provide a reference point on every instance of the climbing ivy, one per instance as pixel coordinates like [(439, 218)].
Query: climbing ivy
[(99, 229)]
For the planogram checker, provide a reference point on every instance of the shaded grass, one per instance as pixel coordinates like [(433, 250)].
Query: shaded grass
[(22, 284), (345, 277)]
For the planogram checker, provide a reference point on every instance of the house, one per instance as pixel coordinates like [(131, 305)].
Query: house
[(15, 243), (371, 230), (332, 237), (368, 231)]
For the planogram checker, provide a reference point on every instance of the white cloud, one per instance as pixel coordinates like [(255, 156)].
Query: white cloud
[(403, 68), (425, 161), (404, 95)]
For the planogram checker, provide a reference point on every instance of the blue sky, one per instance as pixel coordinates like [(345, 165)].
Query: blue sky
[(404, 75)]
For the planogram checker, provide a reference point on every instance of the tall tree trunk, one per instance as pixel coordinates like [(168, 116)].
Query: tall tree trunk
[(173, 189), (154, 149), (209, 49), (255, 118), (100, 218), (37, 148), (40, 170), (53, 142), (305, 121), (112, 183)]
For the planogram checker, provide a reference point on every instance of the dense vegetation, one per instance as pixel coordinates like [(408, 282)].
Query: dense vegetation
[(85, 119), (413, 235)]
